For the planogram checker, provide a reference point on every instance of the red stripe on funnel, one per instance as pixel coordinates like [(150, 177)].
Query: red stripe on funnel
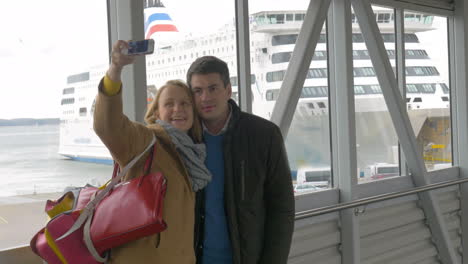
[(161, 28)]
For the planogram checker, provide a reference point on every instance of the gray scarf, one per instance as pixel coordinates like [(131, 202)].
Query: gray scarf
[(192, 154)]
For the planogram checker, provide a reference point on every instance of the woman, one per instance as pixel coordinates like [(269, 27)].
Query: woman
[(173, 120)]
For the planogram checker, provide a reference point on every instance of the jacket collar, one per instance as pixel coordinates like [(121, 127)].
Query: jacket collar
[(235, 114)]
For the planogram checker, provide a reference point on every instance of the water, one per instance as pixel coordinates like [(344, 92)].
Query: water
[(30, 163)]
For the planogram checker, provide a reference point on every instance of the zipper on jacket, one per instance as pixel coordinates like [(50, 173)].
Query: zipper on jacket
[(242, 180)]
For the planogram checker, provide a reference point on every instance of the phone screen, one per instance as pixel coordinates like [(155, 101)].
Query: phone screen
[(138, 47)]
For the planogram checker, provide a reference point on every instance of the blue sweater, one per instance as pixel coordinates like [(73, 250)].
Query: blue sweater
[(216, 245)]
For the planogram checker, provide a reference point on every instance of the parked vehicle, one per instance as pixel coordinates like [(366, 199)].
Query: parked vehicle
[(382, 170), (305, 188), (319, 177)]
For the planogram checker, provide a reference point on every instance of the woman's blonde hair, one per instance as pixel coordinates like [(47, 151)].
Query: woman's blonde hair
[(195, 132)]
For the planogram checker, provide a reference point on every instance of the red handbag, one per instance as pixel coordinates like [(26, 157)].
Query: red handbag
[(132, 210), (99, 218)]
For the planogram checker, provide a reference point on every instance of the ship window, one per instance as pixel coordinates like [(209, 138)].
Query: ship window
[(363, 72), (310, 105), (428, 88), (321, 105), (284, 39), (70, 90), (411, 88), (275, 19), (308, 92), (409, 17), (316, 73), (83, 111), (383, 18), (408, 99), (81, 77), (280, 57), (314, 91), (358, 89), (68, 101), (289, 17), (299, 17), (320, 55), (291, 39), (425, 71), (275, 76), (411, 38), (416, 54), (445, 98), (417, 100), (376, 89), (445, 88), (427, 19), (272, 95)]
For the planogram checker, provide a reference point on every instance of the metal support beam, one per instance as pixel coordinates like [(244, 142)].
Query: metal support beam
[(458, 43), (395, 104), (401, 73), (243, 55), (343, 123), (299, 64), (127, 23)]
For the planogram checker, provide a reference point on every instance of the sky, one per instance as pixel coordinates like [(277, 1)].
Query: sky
[(45, 41)]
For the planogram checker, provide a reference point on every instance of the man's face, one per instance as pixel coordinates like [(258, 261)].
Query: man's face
[(211, 96)]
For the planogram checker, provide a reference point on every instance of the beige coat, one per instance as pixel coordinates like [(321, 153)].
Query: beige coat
[(126, 139)]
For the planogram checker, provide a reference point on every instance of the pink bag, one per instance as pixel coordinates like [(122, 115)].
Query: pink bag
[(69, 248)]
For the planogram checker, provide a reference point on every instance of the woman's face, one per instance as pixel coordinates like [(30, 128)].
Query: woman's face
[(175, 108)]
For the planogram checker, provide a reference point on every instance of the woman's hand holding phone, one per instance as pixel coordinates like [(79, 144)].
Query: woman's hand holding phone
[(119, 60)]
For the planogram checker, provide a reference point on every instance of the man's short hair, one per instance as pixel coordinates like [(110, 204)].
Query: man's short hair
[(206, 65)]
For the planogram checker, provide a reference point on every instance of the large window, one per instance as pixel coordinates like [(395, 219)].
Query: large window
[(48, 60), (308, 138), (376, 139), (428, 98)]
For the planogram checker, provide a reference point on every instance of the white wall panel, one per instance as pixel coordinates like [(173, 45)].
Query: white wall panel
[(450, 205), (315, 242)]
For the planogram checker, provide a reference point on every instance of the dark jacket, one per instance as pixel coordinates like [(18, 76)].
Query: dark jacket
[(259, 198)]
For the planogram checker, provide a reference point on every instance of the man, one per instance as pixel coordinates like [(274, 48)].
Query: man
[(246, 213)]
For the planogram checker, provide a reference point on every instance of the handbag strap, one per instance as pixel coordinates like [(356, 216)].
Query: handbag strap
[(147, 168), (89, 243), (89, 208)]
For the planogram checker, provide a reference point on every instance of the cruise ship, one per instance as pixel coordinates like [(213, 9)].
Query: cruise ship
[(273, 35)]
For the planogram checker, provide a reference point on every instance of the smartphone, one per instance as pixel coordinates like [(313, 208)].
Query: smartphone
[(140, 47)]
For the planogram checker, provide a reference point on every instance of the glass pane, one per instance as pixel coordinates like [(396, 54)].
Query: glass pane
[(428, 88), (308, 139), (49, 52), (376, 139)]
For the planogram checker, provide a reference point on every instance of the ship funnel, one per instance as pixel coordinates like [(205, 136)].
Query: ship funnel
[(159, 24)]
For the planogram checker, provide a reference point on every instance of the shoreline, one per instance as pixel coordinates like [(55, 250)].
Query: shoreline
[(28, 198)]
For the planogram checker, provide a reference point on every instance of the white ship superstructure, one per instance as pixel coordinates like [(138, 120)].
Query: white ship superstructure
[(273, 36), (77, 138)]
